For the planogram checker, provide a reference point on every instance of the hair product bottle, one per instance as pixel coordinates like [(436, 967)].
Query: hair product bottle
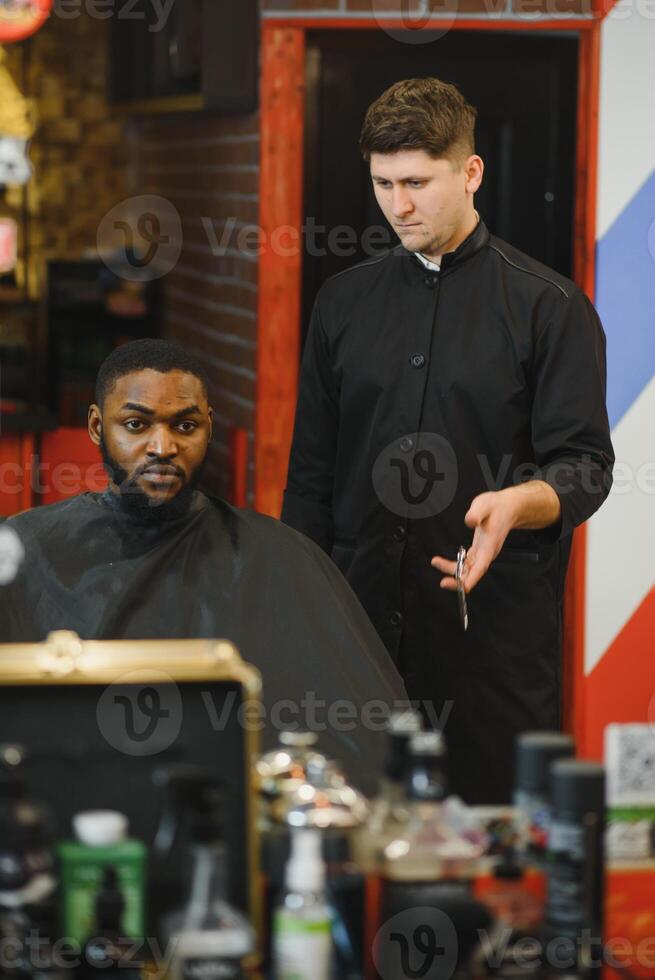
[(535, 753), (107, 952), (575, 869), (302, 944), (101, 841)]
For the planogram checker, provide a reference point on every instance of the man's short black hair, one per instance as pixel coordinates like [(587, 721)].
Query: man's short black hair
[(138, 355)]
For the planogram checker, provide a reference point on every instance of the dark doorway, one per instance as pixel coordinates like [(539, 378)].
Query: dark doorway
[(525, 89)]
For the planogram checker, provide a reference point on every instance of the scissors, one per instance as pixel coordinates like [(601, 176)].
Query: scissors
[(461, 594)]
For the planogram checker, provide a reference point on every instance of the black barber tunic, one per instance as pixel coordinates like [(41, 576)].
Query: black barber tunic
[(217, 572), (418, 392)]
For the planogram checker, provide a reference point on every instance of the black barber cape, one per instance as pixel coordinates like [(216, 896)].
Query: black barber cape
[(218, 572), (418, 392)]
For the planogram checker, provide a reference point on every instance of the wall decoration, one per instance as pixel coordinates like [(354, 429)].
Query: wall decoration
[(15, 167), (8, 245), (21, 18), (15, 128)]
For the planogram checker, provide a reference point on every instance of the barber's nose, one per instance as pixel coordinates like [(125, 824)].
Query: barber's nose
[(162, 442), (401, 202)]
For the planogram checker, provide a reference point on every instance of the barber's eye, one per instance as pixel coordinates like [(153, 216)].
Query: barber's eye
[(134, 425), (187, 427)]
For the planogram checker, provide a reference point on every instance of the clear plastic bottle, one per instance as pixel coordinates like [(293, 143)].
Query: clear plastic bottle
[(389, 810), (427, 876), (302, 943), (417, 852), (211, 940)]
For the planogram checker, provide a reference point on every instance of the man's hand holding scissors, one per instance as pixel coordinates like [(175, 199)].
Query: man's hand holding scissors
[(493, 515)]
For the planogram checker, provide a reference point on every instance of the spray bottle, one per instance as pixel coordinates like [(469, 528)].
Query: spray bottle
[(208, 939), (302, 944)]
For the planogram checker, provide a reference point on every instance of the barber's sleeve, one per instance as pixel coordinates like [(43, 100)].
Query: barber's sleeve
[(310, 481), (570, 427)]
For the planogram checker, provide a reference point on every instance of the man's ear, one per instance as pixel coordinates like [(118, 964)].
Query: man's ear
[(94, 424), (210, 413), (474, 170)]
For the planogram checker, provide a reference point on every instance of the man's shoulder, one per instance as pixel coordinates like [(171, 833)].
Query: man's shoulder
[(530, 273), (359, 276), (38, 519), (267, 533)]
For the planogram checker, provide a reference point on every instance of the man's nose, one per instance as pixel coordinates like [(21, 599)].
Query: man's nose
[(401, 202), (161, 442)]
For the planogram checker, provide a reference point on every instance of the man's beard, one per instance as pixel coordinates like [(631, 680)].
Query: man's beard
[(137, 504)]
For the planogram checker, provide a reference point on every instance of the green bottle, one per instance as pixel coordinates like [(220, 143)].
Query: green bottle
[(102, 842)]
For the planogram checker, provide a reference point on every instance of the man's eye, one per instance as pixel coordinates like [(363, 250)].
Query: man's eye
[(187, 427), (416, 183), (134, 425)]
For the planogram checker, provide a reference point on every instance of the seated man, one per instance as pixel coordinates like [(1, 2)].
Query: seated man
[(152, 557)]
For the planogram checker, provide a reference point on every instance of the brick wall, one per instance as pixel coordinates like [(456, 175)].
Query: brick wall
[(207, 167)]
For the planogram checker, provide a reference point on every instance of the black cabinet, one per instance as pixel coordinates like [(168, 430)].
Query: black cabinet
[(191, 53)]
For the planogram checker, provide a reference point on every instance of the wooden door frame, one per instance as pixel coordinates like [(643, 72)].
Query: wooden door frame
[(284, 42)]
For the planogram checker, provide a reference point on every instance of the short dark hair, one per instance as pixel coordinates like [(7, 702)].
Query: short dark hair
[(420, 114), (139, 355)]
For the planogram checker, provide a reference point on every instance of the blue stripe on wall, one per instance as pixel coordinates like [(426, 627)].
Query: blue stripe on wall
[(625, 300)]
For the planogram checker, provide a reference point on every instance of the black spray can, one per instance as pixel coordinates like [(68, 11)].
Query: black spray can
[(535, 754), (575, 869)]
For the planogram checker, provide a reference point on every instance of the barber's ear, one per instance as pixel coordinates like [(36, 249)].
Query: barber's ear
[(94, 424), (474, 170), (210, 413)]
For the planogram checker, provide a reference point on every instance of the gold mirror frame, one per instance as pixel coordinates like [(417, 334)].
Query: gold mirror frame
[(64, 659)]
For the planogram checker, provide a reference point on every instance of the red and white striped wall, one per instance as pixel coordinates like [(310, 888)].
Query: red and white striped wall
[(619, 606)]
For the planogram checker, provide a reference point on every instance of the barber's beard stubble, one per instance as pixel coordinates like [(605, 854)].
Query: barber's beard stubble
[(137, 504)]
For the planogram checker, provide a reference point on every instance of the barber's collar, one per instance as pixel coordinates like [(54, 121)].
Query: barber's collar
[(451, 260), (432, 266)]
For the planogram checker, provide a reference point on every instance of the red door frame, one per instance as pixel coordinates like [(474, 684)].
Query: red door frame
[(280, 269)]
